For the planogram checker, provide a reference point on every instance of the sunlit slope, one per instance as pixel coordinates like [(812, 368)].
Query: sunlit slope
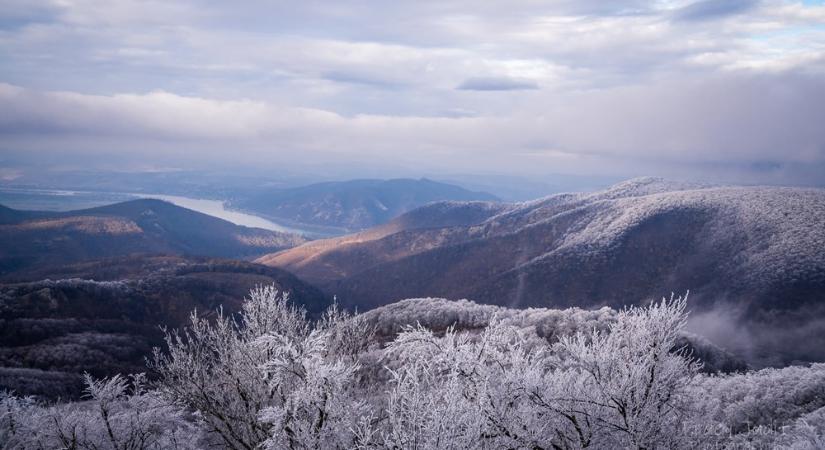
[(642, 238)]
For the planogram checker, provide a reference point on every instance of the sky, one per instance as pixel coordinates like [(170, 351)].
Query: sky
[(730, 91)]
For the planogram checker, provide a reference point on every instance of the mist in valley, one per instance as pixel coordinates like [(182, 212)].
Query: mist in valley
[(559, 224)]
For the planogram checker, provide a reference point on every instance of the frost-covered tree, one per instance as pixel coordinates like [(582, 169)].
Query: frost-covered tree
[(807, 432), (768, 397), (623, 388), (312, 376), (119, 415), (268, 377), (627, 387), (213, 368), (462, 391)]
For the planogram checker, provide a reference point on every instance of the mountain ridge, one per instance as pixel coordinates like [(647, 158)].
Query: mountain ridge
[(753, 249), (32, 238), (352, 205)]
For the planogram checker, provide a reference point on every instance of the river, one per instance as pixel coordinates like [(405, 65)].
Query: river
[(217, 208), (68, 200)]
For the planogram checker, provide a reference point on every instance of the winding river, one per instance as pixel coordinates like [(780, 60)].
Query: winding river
[(67, 200)]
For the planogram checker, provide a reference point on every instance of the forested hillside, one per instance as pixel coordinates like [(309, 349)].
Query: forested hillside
[(751, 257), (274, 378), (347, 206), (33, 239), (104, 317)]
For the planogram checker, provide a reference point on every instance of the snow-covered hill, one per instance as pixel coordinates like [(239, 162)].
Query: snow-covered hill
[(757, 252)]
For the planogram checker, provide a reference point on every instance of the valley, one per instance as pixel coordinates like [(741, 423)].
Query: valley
[(749, 256), (412, 225)]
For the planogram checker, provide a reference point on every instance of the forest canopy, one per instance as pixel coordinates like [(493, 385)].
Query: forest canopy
[(273, 377)]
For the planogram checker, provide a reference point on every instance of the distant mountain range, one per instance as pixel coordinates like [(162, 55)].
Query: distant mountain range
[(37, 239), (351, 205), (104, 316), (753, 254), (753, 259)]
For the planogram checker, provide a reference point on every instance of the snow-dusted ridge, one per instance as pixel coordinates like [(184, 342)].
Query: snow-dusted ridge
[(757, 250)]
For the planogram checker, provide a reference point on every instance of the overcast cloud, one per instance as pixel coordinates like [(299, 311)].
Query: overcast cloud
[(732, 90)]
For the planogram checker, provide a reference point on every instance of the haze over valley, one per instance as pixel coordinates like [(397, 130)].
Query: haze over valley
[(412, 225)]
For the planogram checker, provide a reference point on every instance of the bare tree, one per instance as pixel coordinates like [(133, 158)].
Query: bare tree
[(627, 387), (270, 377), (119, 415), (623, 388)]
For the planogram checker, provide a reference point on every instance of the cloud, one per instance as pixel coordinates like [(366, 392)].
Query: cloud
[(359, 78), (732, 125), (16, 13), (714, 9), (765, 339), (497, 84), (584, 86)]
